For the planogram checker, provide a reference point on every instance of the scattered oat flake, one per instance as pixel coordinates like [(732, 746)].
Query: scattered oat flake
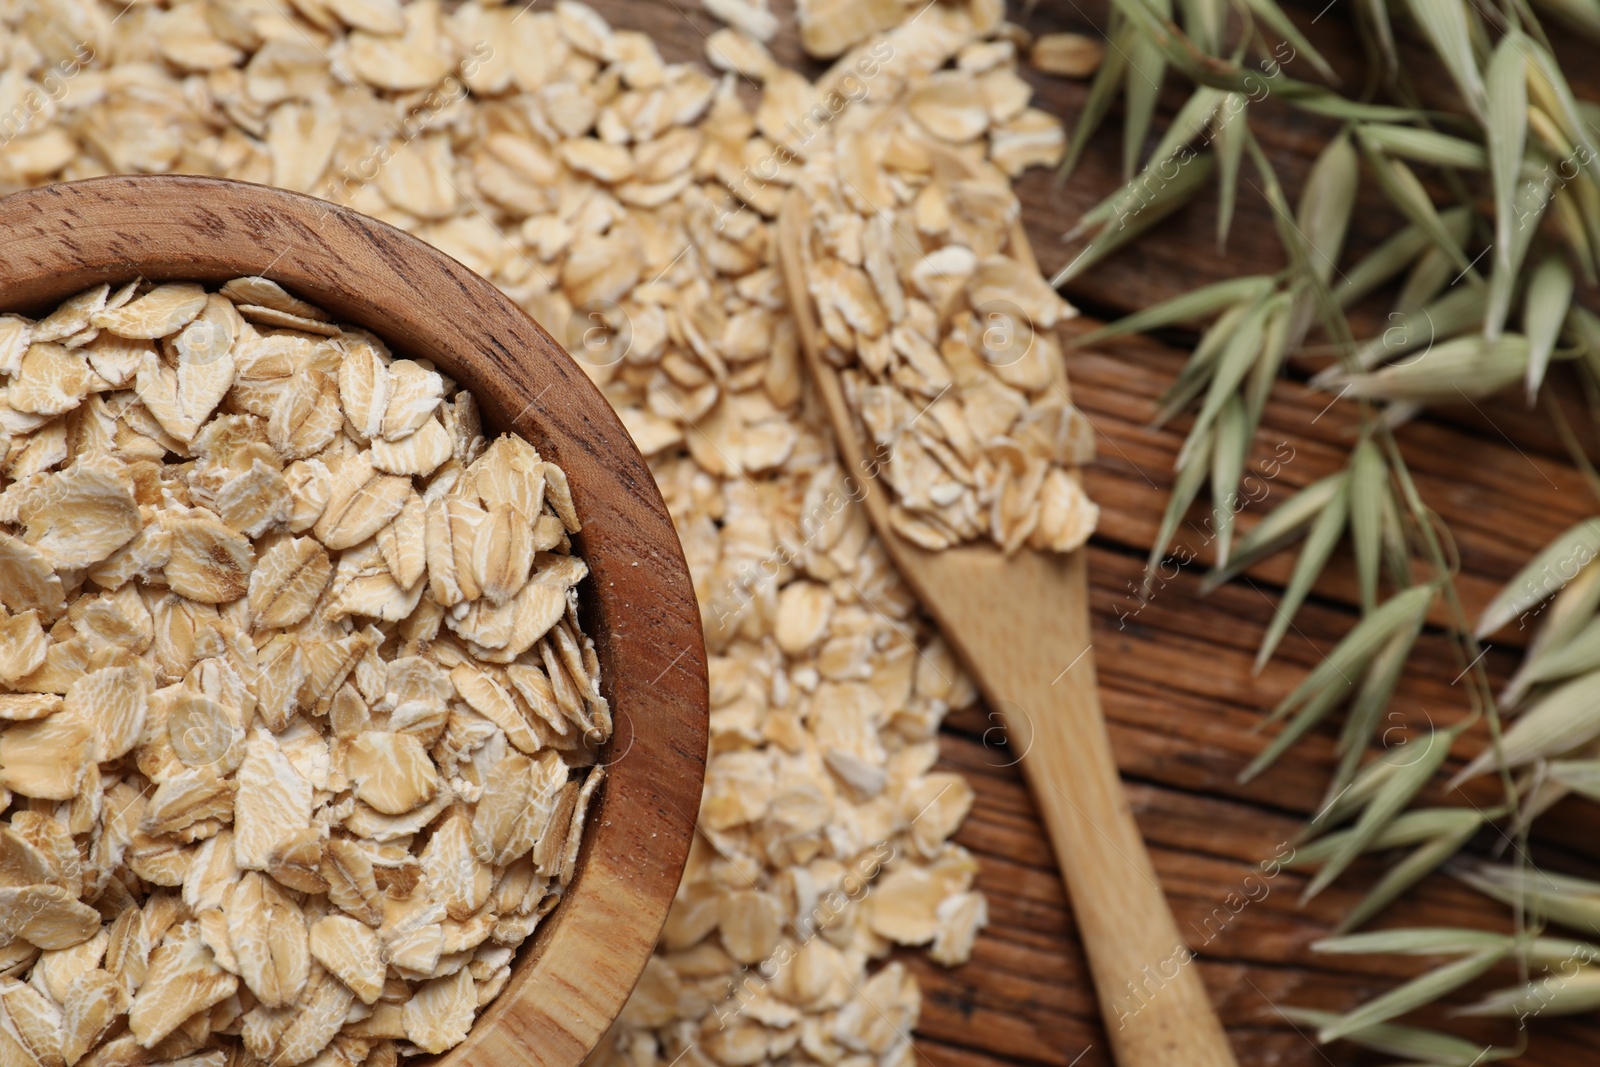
[(1069, 55)]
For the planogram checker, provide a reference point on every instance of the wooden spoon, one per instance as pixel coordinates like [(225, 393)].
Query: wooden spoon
[(1021, 626)]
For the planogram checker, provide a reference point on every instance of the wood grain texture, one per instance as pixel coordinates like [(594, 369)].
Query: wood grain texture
[(1021, 626), (575, 973)]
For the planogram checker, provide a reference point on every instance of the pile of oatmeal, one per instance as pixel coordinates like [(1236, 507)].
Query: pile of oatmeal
[(629, 204)]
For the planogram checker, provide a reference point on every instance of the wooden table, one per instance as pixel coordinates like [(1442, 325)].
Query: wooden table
[(1176, 673)]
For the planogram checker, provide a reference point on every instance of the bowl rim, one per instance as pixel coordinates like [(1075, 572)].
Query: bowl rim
[(573, 976)]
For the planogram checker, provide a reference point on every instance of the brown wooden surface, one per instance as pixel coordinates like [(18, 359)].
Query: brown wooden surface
[(1175, 677), (574, 974)]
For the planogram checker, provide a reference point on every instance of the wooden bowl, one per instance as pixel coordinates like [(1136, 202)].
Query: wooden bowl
[(574, 974)]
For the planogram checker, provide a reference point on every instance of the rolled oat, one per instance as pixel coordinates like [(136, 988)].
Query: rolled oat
[(247, 803)]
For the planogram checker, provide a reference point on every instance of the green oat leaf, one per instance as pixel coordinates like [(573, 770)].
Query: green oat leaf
[(1350, 800), (1445, 23), (1322, 219), (1351, 656), (1377, 687), (1321, 540), (1319, 101), (1385, 262), (1411, 828), (1138, 215), (1583, 15), (1274, 346), (1586, 326), (1557, 994), (1311, 712), (1396, 552), (1507, 128), (1533, 198), (1283, 220), (1329, 683), (1314, 242), (1419, 992), (1458, 311), (1544, 309), (1423, 1046), (1423, 146), (1195, 304), (1580, 776), (1578, 656), (1560, 721), (1548, 950), (1189, 123), (1184, 490), (1271, 14), (1556, 565), (1434, 269), (1376, 15), (1228, 454), (1463, 367), (1422, 861), (1203, 21), (1102, 94), (1565, 110), (1571, 902), (1201, 365), (1587, 196), (1229, 142), (1414, 770), (1238, 356), (1560, 626), (1278, 528), (1415, 941), (1147, 68), (1408, 196), (1369, 483)]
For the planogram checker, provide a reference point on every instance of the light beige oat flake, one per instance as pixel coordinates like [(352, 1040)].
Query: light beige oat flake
[(391, 772), (47, 759), (210, 563), (162, 311), (267, 934), (287, 581), (438, 1016), (1069, 55), (350, 951)]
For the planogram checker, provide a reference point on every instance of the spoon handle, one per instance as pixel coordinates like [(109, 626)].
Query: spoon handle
[(1156, 1009)]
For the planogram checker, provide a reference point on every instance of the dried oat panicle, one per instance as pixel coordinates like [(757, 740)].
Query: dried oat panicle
[(250, 809)]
